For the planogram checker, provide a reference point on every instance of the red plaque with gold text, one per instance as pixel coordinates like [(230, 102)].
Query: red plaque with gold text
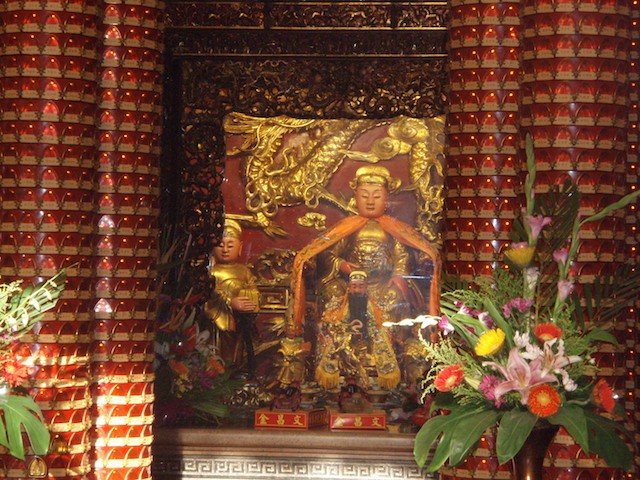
[(377, 420), (301, 419)]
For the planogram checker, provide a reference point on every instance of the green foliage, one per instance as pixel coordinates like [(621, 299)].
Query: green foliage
[(21, 412), (605, 441), (454, 435), (515, 427), (607, 297), (20, 309)]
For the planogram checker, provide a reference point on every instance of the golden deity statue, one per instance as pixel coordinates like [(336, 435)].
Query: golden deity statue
[(233, 306), (378, 247)]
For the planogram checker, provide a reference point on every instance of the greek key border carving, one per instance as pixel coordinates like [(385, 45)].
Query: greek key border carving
[(257, 468)]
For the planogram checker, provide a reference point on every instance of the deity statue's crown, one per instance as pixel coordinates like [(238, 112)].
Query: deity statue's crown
[(232, 229), (358, 275), (375, 175)]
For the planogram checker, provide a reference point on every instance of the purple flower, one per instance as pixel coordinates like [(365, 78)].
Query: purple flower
[(466, 310), (485, 318), (565, 287), (536, 224), (561, 256), (520, 304), (488, 386), (444, 325)]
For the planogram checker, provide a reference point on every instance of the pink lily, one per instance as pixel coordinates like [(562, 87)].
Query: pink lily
[(561, 256), (520, 376), (536, 224), (565, 287), (555, 362)]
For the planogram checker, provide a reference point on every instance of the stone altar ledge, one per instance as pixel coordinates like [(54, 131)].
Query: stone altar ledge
[(247, 454)]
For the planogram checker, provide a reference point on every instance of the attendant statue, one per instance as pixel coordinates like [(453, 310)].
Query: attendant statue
[(381, 247), (235, 301), (353, 342)]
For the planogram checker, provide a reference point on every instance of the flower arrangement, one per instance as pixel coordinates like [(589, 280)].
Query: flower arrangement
[(191, 378), (20, 309), (517, 346)]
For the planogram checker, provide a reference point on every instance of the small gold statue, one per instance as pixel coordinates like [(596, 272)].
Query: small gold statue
[(232, 308)]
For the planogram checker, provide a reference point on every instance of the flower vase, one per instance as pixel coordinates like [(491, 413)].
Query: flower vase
[(528, 464)]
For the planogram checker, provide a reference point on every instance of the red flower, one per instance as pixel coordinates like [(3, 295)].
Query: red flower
[(544, 400), (603, 396), (448, 378), (13, 373), (547, 331)]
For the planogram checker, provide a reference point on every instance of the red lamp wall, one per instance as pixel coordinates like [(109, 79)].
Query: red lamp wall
[(79, 133)]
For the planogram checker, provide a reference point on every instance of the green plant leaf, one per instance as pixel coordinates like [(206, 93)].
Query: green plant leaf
[(599, 335), (444, 401), (427, 436), (443, 427), (23, 413), (500, 321), (578, 312), (587, 288), (606, 443), (467, 434), (514, 429), (572, 418), (623, 202)]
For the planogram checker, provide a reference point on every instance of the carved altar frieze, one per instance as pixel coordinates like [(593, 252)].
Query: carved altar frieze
[(313, 43), (313, 88), (215, 14), (308, 14)]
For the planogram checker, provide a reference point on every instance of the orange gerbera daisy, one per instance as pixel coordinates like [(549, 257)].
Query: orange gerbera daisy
[(544, 400), (547, 331), (448, 378), (603, 396), (12, 371)]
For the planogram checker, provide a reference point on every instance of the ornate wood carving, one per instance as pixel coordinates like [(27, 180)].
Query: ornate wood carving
[(308, 14), (303, 59)]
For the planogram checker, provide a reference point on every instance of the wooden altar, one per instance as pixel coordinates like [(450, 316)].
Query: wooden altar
[(245, 454)]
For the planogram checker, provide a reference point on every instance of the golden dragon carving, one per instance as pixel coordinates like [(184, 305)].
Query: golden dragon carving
[(289, 161)]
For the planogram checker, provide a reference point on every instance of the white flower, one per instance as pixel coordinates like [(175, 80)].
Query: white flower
[(531, 276), (522, 339), (567, 382)]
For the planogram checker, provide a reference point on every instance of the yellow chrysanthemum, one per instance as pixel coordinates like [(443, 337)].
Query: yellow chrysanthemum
[(490, 343), (520, 256)]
